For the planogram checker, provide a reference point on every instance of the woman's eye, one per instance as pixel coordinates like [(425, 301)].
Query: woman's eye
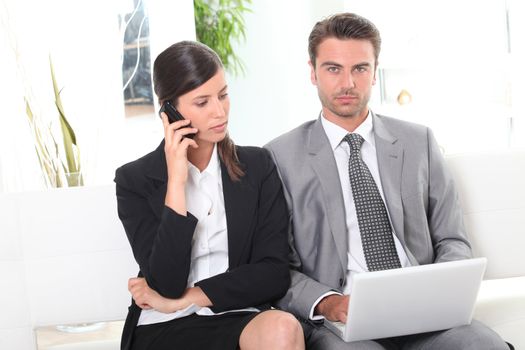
[(223, 96), (201, 103)]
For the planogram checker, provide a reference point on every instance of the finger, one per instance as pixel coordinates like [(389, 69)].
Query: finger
[(184, 131), (167, 135), (136, 292), (345, 301), (135, 280), (139, 297), (136, 289), (193, 144), (182, 148), (179, 135), (169, 130), (178, 124), (132, 282), (165, 121), (137, 286), (187, 142), (342, 316)]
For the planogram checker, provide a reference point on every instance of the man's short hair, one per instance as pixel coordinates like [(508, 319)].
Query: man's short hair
[(344, 26)]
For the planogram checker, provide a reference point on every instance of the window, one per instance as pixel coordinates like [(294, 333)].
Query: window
[(136, 60)]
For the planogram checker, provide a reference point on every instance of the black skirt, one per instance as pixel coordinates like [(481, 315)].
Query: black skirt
[(194, 332)]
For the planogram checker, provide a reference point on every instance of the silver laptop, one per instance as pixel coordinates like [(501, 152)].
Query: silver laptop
[(411, 300)]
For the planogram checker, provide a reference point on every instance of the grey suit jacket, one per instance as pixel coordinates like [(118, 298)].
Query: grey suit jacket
[(419, 192)]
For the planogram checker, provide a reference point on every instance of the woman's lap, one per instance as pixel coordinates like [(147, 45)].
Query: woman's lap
[(221, 332)]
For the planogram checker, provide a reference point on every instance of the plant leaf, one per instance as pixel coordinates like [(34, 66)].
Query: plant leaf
[(68, 135)]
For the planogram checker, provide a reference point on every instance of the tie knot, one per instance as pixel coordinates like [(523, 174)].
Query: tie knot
[(355, 141)]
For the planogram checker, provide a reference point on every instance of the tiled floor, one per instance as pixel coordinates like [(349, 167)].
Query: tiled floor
[(49, 338)]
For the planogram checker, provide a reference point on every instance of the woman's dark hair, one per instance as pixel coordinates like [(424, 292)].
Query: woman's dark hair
[(183, 67), (344, 26)]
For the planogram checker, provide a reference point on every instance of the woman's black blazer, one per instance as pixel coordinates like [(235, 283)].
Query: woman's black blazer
[(257, 222)]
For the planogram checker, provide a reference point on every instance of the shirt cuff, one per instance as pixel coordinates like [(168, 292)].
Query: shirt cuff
[(320, 317)]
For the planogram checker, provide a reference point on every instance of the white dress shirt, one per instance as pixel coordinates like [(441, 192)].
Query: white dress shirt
[(209, 250), (335, 133), (341, 149)]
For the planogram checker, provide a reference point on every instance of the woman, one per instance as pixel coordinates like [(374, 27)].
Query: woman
[(207, 224)]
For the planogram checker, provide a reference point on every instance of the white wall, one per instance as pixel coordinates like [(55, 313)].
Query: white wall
[(276, 94), (55, 230), (125, 139), (453, 57), (465, 86), (85, 44)]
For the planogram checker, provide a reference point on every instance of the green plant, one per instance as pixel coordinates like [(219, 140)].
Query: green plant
[(57, 173), (217, 22), (72, 153)]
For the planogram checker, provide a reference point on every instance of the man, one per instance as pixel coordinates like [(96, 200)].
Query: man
[(329, 189)]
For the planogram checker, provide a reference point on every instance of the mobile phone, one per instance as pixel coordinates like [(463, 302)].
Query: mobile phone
[(173, 114)]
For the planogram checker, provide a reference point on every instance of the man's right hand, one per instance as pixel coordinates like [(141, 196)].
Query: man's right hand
[(333, 307)]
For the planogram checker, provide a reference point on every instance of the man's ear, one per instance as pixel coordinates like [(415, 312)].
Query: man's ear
[(313, 78)]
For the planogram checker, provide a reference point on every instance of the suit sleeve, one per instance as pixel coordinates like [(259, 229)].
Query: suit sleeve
[(445, 217), (161, 245), (304, 291), (265, 276)]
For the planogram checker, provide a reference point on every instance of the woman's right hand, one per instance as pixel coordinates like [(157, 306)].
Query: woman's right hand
[(176, 150)]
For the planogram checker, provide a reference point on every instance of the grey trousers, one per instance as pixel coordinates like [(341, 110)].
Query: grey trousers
[(475, 336)]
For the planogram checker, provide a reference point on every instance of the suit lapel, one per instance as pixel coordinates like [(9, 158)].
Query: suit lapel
[(390, 162), (240, 201), (325, 167)]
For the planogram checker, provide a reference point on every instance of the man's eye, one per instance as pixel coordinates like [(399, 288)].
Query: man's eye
[(361, 69), (333, 69)]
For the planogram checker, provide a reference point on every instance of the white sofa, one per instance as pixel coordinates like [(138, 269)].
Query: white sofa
[(492, 192), (64, 257)]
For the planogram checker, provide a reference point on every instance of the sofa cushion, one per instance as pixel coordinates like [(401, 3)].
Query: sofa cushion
[(491, 189), (501, 306)]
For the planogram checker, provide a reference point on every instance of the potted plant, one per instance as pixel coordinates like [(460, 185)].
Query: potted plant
[(57, 171), (217, 23)]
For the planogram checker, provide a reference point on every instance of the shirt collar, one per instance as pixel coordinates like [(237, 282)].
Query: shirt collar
[(336, 133), (213, 169)]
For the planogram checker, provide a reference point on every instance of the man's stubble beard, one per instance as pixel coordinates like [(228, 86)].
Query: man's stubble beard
[(346, 111)]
